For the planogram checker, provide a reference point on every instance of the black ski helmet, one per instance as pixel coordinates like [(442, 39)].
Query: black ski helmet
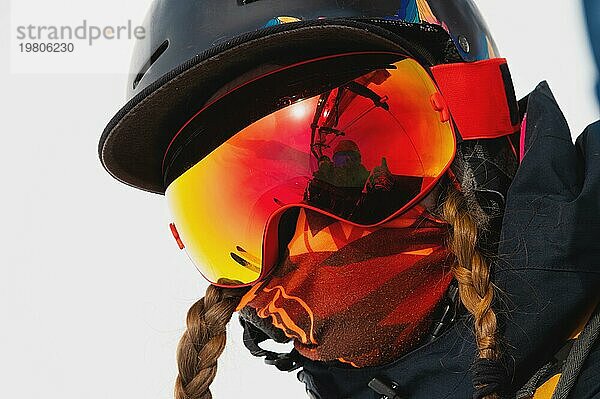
[(193, 48)]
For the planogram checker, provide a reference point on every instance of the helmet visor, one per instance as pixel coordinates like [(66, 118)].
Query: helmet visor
[(362, 150)]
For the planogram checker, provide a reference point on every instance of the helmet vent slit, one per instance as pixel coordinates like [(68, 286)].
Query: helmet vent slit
[(245, 2), (153, 58)]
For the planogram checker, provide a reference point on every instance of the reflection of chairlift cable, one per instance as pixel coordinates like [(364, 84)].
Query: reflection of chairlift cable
[(358, 117), (365, 92), (315, 148), (354, 87), (330, 130)]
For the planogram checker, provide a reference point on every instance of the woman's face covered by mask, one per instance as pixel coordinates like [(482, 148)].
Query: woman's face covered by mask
[(362, 296)]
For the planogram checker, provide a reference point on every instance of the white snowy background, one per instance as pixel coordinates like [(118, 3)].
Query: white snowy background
[(93, 290)]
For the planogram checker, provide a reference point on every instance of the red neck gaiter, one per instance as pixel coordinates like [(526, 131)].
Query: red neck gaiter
[(363, 296)]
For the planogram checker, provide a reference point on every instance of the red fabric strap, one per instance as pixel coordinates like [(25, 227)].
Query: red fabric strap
[(480, 97)]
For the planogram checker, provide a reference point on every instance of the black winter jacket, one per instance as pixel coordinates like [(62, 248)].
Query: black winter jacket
[(548, 273)]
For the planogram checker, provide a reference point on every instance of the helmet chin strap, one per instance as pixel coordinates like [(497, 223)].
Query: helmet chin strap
[(253, 336)]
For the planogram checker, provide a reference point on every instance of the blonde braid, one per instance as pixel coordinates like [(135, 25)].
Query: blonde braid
[(472, 271), (203, 342)]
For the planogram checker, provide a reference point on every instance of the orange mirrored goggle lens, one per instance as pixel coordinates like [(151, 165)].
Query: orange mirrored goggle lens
[(362, 152)]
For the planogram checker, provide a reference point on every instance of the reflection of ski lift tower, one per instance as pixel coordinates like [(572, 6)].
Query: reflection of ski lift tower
[(343, 98)]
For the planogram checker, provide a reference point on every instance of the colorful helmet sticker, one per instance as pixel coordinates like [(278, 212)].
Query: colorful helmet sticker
[(473, 44), (281, 20), (460, 18), (416, 11)]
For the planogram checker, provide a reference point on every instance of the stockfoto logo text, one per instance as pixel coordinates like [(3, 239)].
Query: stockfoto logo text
[(85, 31)]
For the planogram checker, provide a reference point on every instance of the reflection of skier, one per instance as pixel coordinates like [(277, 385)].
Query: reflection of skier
[(382, 180), (348, 170), (345, 169), (345, 186), (384, 191), (337, 184)]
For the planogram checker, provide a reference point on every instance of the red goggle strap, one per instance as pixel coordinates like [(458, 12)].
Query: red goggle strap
[(480, 96)]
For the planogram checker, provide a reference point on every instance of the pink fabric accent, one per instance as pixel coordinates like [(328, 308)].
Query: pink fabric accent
[(523, 133)]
